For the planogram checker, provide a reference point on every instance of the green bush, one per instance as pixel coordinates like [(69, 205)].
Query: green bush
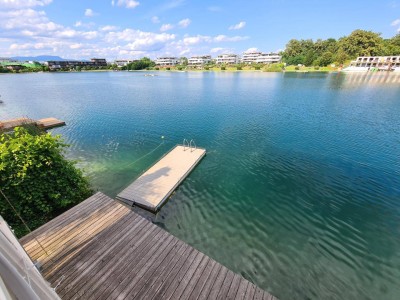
[(316, 68), (206, 68), (157, 68), (37, 179), (180, 68), (239, 68), (223, 68), (296, 68), (257, 67), (168, 68)]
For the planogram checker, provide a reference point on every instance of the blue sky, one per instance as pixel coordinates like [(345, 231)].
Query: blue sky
[(136, 28)]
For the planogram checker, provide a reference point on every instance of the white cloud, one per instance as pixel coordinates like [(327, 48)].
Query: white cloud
[(108, 28), (193, 40), (78, 24), (224, 38), (166, 27), (395, 22), (184, 23), (23, 3), (155, 20), (238, 26), (89, 12), (250, 50), (125, 3), (214, 8), (217, 50)]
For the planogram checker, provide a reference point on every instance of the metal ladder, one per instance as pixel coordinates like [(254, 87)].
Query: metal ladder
[(189, 145)]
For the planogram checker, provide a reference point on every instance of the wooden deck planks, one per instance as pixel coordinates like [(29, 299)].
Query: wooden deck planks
[(103, 250), (154, 187)]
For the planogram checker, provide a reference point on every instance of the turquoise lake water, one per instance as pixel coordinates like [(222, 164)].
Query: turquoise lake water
[(300, 188)]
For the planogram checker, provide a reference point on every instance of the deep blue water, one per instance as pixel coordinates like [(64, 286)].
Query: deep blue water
[(299, 191)]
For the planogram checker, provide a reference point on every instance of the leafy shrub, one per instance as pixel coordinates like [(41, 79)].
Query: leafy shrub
[(180, 68), (297, 68), (274, 67), (238, 68), (37, 179), (316, 68), (257, 68), (207, 68), (157, 68), (223, 68), (168, 68)]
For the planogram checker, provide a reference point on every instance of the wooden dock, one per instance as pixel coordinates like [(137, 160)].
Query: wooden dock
[(154, 187), (46, 123), (100, 249)]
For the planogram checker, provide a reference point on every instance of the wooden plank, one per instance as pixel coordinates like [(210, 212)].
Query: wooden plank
[(170, 272), (234, 287), (174, 274), (121, 281), (251, 289), (49, 123), (241, 293), (162, 270), (218, 283), (154, 187), (111, 252), (139, 270), (200, 283), (78, 237), (96, 282), (94, 276), (223, 292), (185, 272), (74, 213), (210, 282), (193, 280), (259, 294), (96, 250)]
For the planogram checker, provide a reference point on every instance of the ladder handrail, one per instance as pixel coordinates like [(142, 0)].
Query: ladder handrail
[(190, 145), (184, 144)]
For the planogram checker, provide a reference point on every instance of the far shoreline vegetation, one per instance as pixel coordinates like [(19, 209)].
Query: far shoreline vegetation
[(303, 55)]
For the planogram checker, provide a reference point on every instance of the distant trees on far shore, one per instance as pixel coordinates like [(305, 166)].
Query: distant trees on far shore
[(325, 52)]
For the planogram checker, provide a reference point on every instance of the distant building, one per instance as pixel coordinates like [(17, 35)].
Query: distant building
[(199, 60), (228, 59), (167, 61), (260, 58), (123, 62), (250, 57), (61, 64)]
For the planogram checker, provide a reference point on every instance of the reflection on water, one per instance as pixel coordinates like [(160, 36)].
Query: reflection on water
[(299, 191)]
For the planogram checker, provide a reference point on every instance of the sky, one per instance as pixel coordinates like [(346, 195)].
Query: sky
[(129, 29)]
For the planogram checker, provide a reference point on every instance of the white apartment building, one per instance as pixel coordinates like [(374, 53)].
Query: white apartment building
[(199, 60), (167, 61), (250, 57), (260, 58), (123, 62), (228, 59)]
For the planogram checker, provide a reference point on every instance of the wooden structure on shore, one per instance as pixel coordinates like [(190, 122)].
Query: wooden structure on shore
[(46, 123), (101, 249), (154, 187)]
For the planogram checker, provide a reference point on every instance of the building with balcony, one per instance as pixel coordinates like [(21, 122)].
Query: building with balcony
[(123, 62), (199, 60), (374, 63), (70, 64), (260, 58), (228, 59), (167, 61)]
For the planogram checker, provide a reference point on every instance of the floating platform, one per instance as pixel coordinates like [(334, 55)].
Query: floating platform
[(101, 249), (46, 123), (154, 187)]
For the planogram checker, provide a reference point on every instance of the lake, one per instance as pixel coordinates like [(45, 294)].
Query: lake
[(300, 188)]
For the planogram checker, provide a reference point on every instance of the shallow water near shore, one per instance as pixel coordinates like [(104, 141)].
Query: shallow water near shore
[(300, 188)]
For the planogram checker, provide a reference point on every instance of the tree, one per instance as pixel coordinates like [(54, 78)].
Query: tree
[(37, 179), (326, 59), (362, 43), (184, 61)]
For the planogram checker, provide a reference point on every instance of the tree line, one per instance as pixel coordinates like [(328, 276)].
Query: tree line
[(325, 52)]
